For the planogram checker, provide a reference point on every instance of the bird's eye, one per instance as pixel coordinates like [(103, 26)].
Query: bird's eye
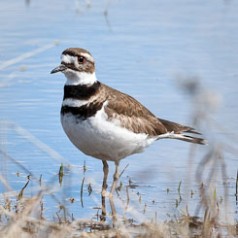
[(81, 59)]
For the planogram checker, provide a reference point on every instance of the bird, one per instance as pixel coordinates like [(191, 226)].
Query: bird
[(105, 123)]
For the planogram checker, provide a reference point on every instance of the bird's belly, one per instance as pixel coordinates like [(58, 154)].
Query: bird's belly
[(102, 139)]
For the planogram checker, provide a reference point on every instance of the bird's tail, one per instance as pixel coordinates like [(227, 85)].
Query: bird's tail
[(181, 132)]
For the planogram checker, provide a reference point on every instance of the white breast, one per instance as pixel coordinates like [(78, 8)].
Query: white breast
[(102, 139)]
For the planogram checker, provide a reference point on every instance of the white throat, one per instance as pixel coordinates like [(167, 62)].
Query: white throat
[(80, 78)]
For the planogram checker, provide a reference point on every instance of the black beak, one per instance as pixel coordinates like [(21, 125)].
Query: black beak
[(60, 68)]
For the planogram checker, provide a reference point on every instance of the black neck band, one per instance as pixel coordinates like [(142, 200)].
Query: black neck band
[(81, 92)]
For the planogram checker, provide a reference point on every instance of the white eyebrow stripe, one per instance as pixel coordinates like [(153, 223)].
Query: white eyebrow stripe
[(87, 56), (69, 59)]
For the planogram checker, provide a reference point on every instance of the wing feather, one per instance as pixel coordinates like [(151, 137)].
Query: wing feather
[(131, 114)]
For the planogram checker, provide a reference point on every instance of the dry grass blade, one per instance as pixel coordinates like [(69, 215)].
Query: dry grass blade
[(24, 56), (24, 133)]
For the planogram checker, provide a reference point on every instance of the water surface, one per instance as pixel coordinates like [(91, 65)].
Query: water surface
[(141, 48)]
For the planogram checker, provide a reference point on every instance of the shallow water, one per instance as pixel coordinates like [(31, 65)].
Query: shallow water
[(142, 48)]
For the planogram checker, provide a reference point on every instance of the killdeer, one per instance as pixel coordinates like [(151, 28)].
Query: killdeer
[(105, 123)]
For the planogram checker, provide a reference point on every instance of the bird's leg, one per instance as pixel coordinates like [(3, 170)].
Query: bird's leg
[(114, 185), (104, 189), (115, 178), (105, 175)]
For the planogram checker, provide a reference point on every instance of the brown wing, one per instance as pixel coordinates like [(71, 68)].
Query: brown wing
[(130, 113), (134, 116)]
